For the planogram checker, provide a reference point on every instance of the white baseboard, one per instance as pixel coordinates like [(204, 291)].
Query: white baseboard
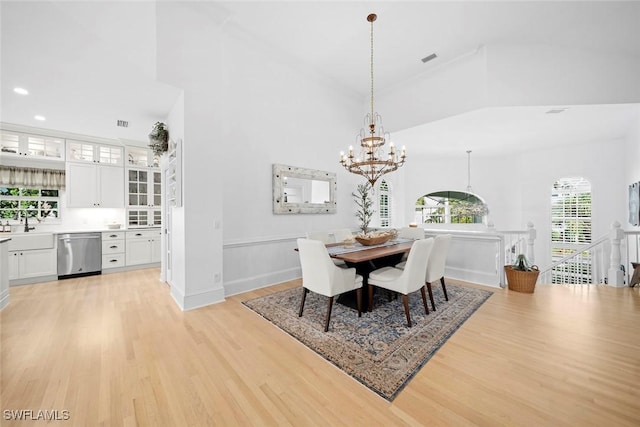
[(260, 281), (193, 301)]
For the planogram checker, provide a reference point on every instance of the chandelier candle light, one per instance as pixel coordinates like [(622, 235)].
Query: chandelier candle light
[(372, 162)]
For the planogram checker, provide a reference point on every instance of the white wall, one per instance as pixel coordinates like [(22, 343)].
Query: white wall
[(243, 111), (517, 188), (632, 165)]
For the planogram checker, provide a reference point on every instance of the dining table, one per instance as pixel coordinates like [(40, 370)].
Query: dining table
[(366, 259)]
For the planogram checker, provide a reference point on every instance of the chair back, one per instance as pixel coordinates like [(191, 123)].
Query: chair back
[(323, 236), (438, 258), (413, 273), (341, 234), (317, 267), (415, 233)]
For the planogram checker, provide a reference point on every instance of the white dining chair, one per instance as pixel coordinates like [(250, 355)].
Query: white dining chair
[(341, 234), (414, 233), (407, 280), (323, 236), (436, 265), (321, 276)]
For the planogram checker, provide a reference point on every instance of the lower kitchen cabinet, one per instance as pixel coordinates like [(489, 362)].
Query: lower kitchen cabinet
[(113, 249), (26, 264), (143, 247)]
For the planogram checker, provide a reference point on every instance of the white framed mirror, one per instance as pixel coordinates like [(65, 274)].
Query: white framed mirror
[(303, 191)]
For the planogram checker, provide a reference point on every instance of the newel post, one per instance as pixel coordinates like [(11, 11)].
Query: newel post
[(615, 275), (531, 237)]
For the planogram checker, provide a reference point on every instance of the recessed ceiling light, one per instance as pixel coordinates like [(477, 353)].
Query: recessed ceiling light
[(39, 117), (20, 91)]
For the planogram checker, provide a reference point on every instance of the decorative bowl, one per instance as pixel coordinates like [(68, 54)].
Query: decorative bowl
[(113, 226), (373, 240)]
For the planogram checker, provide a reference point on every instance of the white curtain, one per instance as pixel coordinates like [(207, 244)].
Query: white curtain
[(12, 176)]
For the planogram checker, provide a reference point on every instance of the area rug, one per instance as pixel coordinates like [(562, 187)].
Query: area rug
[(377, 349)]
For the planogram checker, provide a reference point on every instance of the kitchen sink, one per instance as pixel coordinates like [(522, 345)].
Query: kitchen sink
[(28, 241)]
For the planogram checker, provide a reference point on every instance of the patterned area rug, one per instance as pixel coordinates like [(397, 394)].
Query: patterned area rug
[(378, 349)]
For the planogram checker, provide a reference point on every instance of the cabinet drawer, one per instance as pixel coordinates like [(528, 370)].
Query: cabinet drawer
[(112, 247), (112, 261), (112, 235), (144, 234)]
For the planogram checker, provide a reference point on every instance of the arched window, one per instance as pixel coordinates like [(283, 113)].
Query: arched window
[(384, 204), (571, 229), (450, 207)]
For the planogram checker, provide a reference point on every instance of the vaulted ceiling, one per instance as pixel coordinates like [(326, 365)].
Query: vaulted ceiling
[(88, 64)]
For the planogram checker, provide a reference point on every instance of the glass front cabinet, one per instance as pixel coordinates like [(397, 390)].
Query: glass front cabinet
[(144, 197)]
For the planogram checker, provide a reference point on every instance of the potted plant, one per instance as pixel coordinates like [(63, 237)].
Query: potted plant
[(521, 276), (364, 213), (159, 138), (364, 201)]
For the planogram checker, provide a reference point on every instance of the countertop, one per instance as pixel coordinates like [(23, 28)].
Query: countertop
[(96, 229)]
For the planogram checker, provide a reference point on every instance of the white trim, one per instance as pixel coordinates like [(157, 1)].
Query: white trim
[(239, 243), (4, 299), (247, 284), (198, 300)]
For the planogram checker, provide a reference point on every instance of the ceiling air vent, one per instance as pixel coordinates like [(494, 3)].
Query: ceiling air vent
[(123, 124), (556, 111), (429, 58)]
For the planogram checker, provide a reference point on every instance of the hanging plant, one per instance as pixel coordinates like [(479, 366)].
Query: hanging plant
[(159, 138)]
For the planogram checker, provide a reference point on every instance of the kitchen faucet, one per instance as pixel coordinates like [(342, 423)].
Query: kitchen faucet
[(26, 221)]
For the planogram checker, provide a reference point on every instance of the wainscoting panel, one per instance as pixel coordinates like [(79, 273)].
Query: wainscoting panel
[(253, 264)]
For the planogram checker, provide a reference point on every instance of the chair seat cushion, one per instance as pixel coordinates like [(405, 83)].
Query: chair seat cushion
[(401, 265), (384, 274)]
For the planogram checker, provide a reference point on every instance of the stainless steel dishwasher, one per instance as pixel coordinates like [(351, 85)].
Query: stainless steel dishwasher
[(79, 254)]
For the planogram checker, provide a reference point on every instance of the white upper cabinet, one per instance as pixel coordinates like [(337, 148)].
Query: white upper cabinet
[(83, 151), (18, 144), (95, 186), (142, 157)]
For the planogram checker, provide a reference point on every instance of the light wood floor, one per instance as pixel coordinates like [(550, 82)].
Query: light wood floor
[(115, 350)]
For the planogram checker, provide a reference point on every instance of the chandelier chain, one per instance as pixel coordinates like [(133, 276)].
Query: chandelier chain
[(371, 72), (373, 160)]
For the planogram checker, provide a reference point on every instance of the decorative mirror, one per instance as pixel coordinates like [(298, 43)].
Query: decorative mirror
[(303, 191)]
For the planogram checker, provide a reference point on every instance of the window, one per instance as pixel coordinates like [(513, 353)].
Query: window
[(384, 204), (571, 229), (36, 202), (450, 207)]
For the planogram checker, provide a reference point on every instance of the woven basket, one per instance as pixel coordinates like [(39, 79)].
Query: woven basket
[(521, 281), (376, 240)]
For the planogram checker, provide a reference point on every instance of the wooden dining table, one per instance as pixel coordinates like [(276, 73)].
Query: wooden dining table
[(365, 259)]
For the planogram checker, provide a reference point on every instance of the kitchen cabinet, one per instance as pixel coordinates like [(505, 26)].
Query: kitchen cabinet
[(143, 247), (32, 255), (94, 185), (144, 188), (141, 157), (32, 263), (144, 197), (23, 145), (91, 152), (113, 249)]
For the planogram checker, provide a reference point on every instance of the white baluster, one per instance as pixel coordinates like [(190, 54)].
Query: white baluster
[(615, 276)]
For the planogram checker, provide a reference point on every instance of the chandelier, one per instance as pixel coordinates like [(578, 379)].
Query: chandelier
[(372, 162)]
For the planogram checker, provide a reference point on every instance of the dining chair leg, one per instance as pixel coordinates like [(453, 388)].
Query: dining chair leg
[(405, 302), (433, 303), (359, 301), (424, 300), (304, 295), (370, 297), (326, 322), (444, 289)]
